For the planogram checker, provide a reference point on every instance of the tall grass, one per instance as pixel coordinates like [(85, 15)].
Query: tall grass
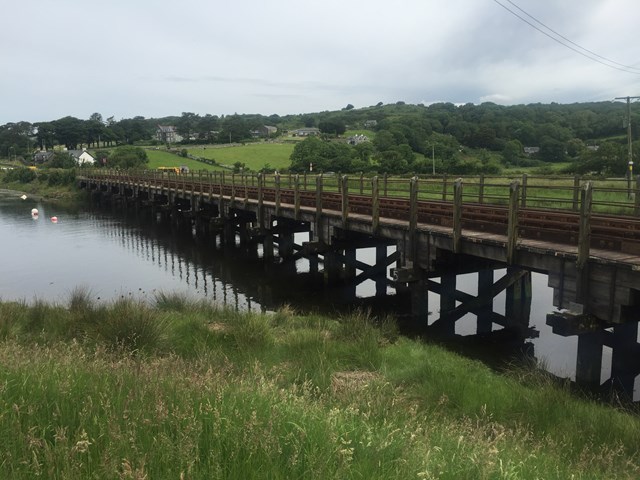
[(209, 393)]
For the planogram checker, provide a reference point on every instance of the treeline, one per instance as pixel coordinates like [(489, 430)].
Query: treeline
[(21, 138), (473, 139), (454, 138)]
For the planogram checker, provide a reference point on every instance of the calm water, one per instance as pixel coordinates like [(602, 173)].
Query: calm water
[(114, 255)]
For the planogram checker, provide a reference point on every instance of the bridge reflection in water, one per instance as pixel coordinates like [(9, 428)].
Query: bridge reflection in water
[(512, 323)]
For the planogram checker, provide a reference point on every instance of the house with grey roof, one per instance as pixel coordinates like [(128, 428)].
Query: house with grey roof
[(41, 157), (167, 134), (82, 157)]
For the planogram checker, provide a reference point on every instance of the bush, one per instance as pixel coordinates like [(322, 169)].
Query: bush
[(61, 177), (21, 175), (129, 326)]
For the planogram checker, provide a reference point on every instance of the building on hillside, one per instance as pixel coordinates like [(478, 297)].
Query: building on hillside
[(82, 157), (531, 150), (42, 157), (167, 134), (357, 139), (264, 131), (306, 132)]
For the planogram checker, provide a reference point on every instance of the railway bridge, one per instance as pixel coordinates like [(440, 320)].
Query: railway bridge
[(584, 235)]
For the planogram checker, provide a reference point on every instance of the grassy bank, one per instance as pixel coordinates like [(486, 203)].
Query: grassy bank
[(183, 390), (51, 185)]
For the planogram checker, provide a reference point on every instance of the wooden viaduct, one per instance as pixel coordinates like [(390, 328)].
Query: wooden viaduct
[(592, 259)]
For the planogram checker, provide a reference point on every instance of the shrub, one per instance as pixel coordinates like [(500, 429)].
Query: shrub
[(21, 175), (251, 330), (129, 325)]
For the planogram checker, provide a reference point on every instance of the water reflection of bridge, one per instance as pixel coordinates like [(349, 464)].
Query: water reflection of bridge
[(429, 244)]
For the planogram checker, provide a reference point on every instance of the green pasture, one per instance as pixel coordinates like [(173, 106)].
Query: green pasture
[(255, 156), (162, 158)]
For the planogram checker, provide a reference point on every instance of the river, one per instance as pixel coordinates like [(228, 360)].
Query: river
[(112, 255)]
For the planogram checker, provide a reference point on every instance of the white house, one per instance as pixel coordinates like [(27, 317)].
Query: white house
[(82, 157)]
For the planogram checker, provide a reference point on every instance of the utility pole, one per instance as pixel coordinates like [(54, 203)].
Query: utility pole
[(630, 142)]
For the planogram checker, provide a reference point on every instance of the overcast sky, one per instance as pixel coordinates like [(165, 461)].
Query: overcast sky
[(124, 58)]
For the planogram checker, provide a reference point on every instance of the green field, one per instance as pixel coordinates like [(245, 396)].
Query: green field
[(255, 156), (162, 158)]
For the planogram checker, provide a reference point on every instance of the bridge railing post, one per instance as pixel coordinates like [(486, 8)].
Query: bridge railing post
[(221, 212), (375, 204), (344, 181), (584, 244), (413, 204), (576, 193), (318, 198), (296, 196), (523, 203), (457, 214), (584, 235), (636, 200), (260, 202), (444, 188), (277, 182), (481, 189), (233, 189), (245, 184), (512, 223)]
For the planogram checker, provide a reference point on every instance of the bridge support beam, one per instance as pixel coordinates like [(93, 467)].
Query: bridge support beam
[(518, 301), (625, 361), (381, 277), (285, 245), (485, 311), (589, 359)]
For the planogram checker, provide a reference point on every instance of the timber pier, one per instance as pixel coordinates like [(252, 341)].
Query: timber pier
[(425, 233)]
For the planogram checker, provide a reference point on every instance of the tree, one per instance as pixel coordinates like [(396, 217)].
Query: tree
[(512, 152), (324, 156), (127, 157), (384, 141), (46, 135), (332, 126), (131, 130), (94, 129), (552, 150), (610, 159), (187, 124), (15, 138), (61, 160), (234, 129), (307, 153), (575, 147), (69, 131), (207, 127), (309, 121)]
